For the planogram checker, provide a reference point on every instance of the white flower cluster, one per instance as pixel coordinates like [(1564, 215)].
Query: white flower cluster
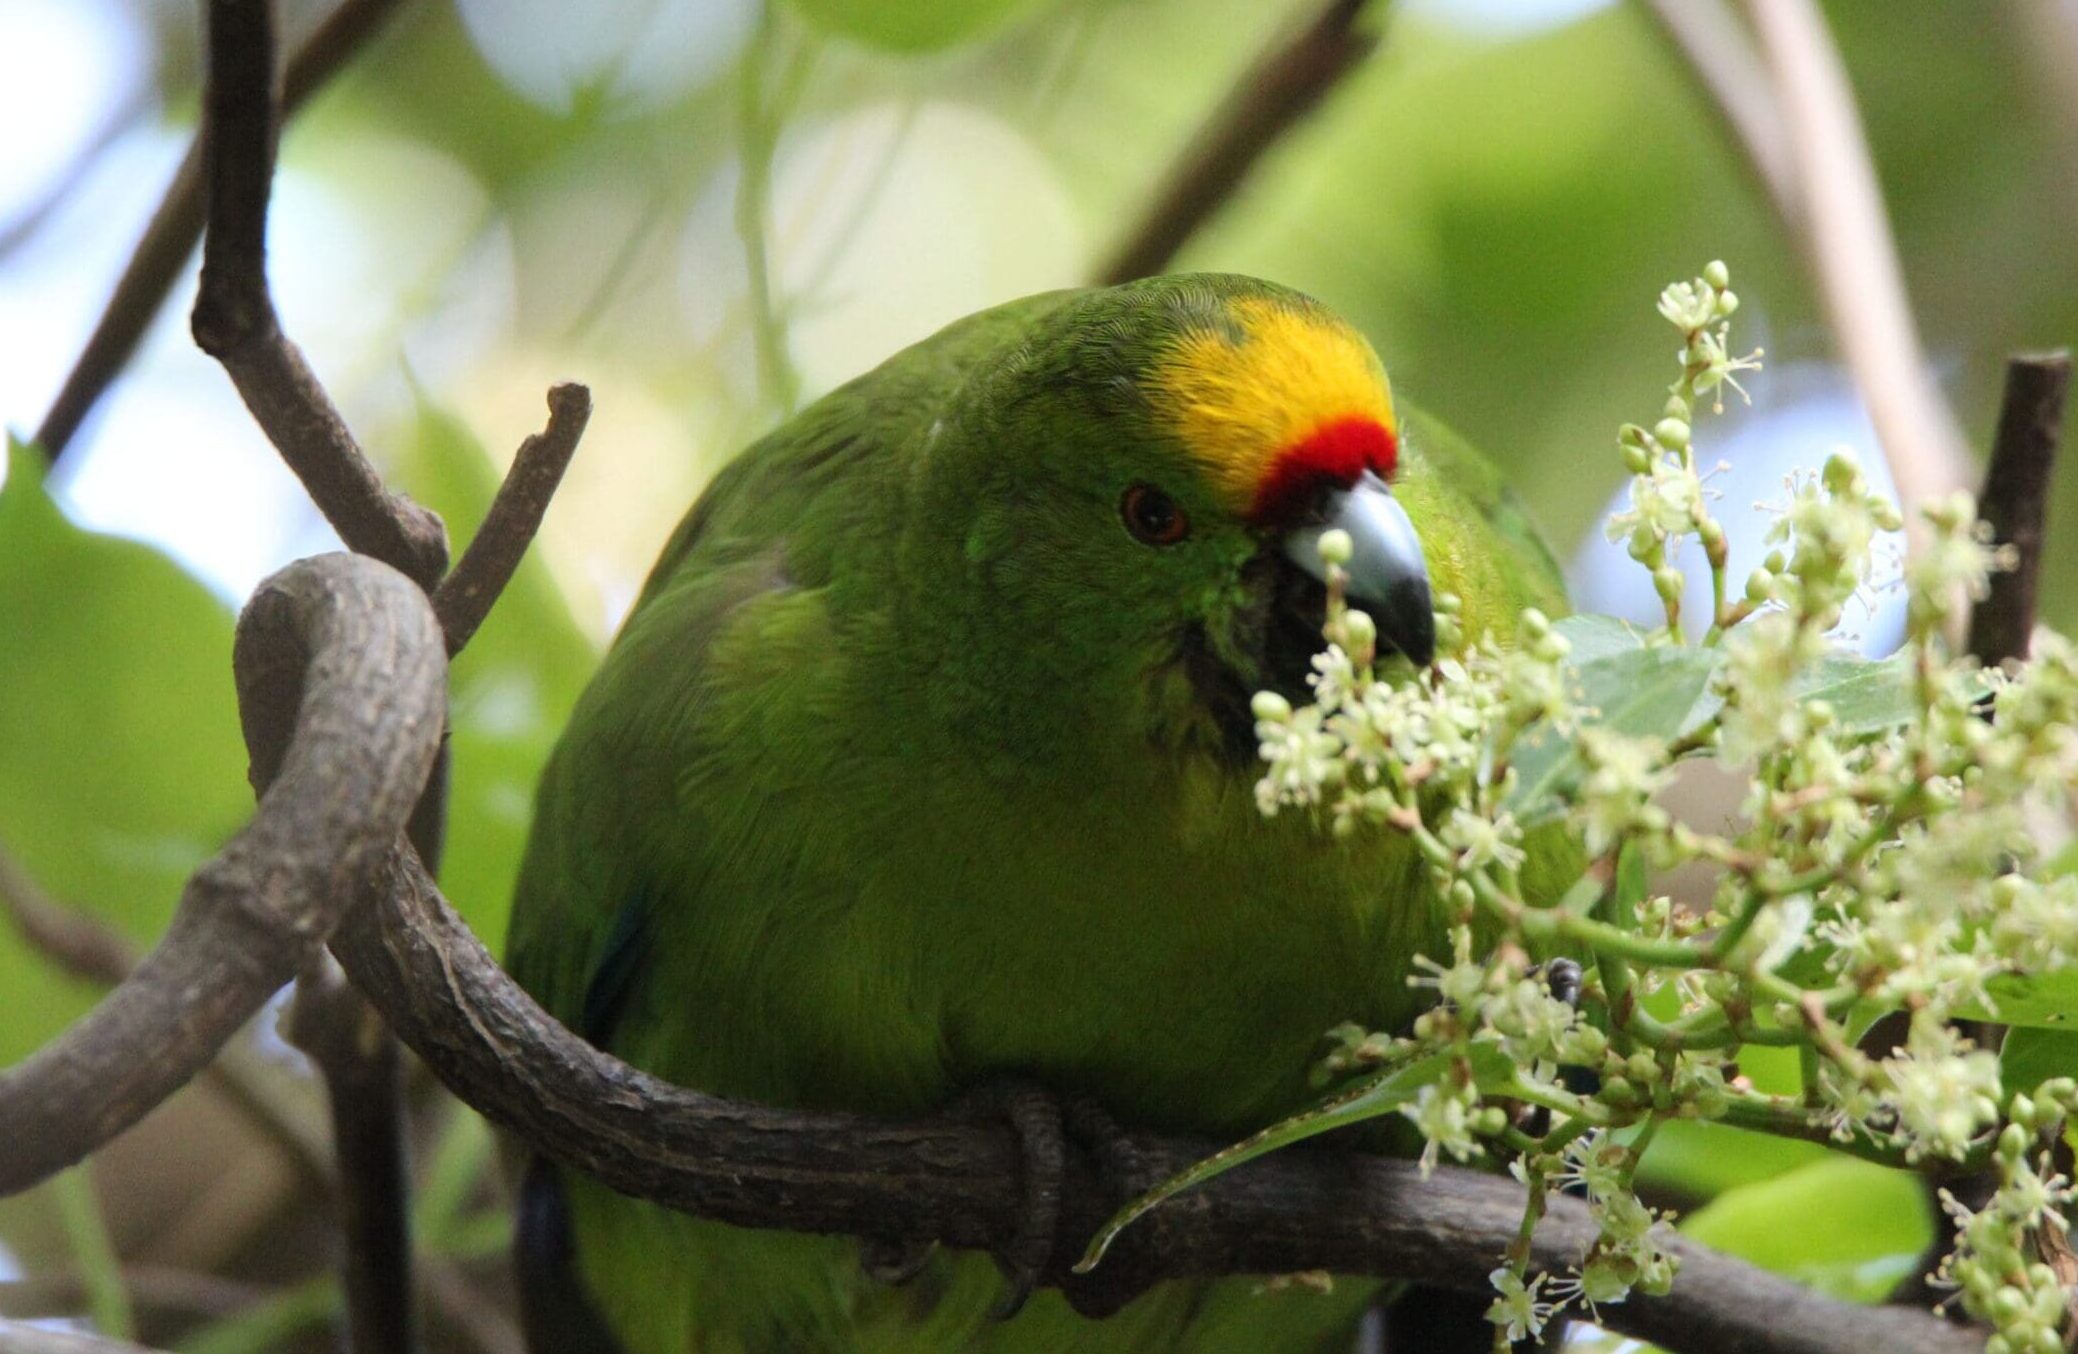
[(1884, 860)]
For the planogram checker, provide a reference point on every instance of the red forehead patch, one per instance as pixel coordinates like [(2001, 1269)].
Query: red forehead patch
[(1336, 452)]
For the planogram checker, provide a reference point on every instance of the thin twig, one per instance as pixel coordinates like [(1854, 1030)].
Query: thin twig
[(1846, 240), (1277, 90), (368, 715), (169, 240), (75, 941), (464, 597), (2015, 500), (235, 322), (155, 1288), (18, 1338)]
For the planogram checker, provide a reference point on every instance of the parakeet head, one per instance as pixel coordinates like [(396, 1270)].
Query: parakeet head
[(1139, 487)]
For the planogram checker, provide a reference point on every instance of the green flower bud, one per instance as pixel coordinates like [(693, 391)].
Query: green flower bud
[(1727, 302), (1717, 275), (2013, 1141), (1360, 631), (1335, 546), (1760, 586), (1776, 562), (1668, 582), (2008, 1305), (1671, 433), (1843, 473), (1636, 458), (1271, 706)]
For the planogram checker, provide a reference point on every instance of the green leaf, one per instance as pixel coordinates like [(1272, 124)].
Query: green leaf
[(908, 25), (2031, 1056), (123, 766), (1380, 1095), (1595, 636), (1868, 695), (2046, 1001), (1846, 1227), (1662, 691)]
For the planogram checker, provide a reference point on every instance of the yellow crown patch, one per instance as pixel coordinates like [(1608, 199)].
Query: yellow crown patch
[(1239, 407)]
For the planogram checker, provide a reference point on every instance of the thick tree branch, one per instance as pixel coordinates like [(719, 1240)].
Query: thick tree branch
[(957, 1183), (465, 596), (163, 251), (1272, 96), (2015, 501), (351, 659)]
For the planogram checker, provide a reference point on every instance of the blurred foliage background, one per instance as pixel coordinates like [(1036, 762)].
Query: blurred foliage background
[(502, 193)]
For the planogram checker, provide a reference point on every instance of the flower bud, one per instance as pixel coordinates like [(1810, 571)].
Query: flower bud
[(1335, 546), (1268, 705), (1671, 433), (1717, 275), (1360, 632), (1727, 302)]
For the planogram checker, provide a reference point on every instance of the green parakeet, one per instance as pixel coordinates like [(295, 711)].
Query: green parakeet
[(926, 758)]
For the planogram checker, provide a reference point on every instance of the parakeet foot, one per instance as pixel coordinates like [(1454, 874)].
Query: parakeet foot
[(1039, 1121), (1128, 1269)]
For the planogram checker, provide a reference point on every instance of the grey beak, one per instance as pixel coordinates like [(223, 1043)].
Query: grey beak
[(1387, 575)]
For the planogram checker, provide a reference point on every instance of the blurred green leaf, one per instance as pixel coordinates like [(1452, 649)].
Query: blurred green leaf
[(908, 25), (2031, 1056), (123, 764), (1858, 1228), (2046, 1001), (269, 1324)]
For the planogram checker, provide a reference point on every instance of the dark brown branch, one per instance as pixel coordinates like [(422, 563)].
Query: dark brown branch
[(349, 657), (958, 1183), (73, 940), (235, 321), (163, 250), (2015, 500), (1282, 86), (464, 597), (17, 1338), (363, 1071)]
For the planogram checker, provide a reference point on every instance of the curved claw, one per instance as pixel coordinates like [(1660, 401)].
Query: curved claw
[(1042, 1139)]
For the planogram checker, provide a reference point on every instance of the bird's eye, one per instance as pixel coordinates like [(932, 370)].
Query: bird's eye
[(1152, 516)]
